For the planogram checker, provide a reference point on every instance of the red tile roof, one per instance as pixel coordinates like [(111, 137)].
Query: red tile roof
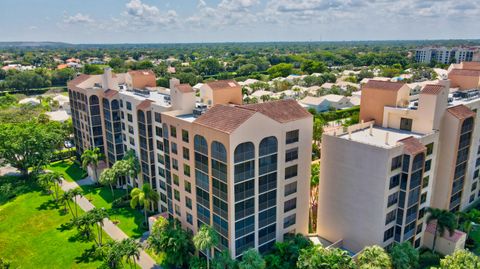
[(144, 104), (412, 145), (461, 112), (457, 235), (222, 84), (433, 89), (185, 88), (465, 72), (224, 118), (141, 72), (385, 85), (110, 93), (78, 79), (281, 111)]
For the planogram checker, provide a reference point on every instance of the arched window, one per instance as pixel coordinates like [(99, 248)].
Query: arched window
[(268, 146), (93, 100), (244, 151), (200, 144), (219, 152), (106, 103)]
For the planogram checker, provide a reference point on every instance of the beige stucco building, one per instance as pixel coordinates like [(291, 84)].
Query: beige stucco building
[(244, 169), (379, 176)]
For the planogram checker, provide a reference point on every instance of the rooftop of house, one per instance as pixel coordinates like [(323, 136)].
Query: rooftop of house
[(384, 85), (222, 84), (379, 136)]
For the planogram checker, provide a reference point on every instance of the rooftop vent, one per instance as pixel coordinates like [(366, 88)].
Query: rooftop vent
[(197, 112), (141, 92)]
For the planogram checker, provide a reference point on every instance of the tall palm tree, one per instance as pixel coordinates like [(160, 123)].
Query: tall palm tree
[(91, 157), (131, 249), (97, 216), (108, 177), (144, 197), (205, 239), (76, 193), (446, 221), (66, 198), (467, 219), (133, 166), (52, 179)]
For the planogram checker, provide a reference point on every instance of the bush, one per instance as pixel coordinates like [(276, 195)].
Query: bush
[(7, 191), (121, 202), (429, 259), (470, 243)]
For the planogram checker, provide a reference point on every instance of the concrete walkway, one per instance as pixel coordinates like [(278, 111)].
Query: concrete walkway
[(145, 261)]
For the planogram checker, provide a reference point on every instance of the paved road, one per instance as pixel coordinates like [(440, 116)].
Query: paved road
[(145, 261)]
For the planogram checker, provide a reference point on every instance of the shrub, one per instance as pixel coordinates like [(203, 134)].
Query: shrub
[(428, 259), (121, 202)]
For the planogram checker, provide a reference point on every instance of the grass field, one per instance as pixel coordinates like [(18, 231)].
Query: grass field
[(69, 169), (129, 220), (32, 235)]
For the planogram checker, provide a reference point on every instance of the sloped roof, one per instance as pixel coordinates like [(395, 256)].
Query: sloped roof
[(141, 72), (224, 118), (432, 89), (385, 85), (144, 104), (222, 84), (461, 112), (78, 79), (412, 145), (185, 88), (310, 100), (110, 93), (457, 235), (465, 72), (281, 111)]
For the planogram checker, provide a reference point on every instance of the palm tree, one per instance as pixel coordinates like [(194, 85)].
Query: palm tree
[(52, 179), (76, 193), (66, 198), (131, 249), (144, 197), (133, 166), (91, 157), (97, 216), (446, 221), (467, 219), (314, 181), (108, 177), (251, 259), (205, 239)]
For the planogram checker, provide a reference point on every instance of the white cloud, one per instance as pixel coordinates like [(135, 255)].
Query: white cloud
[(226, 13), (139, 14), (78, 18)]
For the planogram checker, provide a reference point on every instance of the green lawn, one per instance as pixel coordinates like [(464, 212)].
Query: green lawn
[(69, 169), (31, 234), (129, 220)]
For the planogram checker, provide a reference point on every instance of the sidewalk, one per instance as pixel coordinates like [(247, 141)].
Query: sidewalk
[(145, 261)]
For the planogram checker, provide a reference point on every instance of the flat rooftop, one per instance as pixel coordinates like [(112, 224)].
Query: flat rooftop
[(158, 98), (378, 136), (187, 117)]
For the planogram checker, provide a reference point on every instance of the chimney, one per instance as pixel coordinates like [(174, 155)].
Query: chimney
[(173, 83), (107, 79)]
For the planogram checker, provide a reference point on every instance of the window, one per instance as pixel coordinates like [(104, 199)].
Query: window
[(290, 205), (129, 117), (174, 148), (394, 181), (291, 155), (425, 182), (244, 152), (189, 218), (267, 182), (129, 105), (268, 146), (200, 144), (173, 131), (130, 129), (289, 221), (186, 169), (423, 198), (291, 171), (475, 174), (429, 149), (290, 188), (292, 137), (186, 153), (392, 199), (158, 117), (175, 179), (219, 189), (244, 190), (177, 210), (474, 186), (267, 217), (269, 199), (132, 141), (390, 217), (244, 208), (158, 131), (428, 165), (185, 136), (188, 186), (176, 194), (396, 162), (406, 124), (175, 164), (219, 152), (388, 234)]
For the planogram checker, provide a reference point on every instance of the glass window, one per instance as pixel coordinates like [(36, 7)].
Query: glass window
[(176, 194), (396, 162), (269, 199), (428, 165), (202, 180), (175, 179), (267, 182), (129, 105), (290, 205), (219, 189), (291, 171), (173, 131), (406, 124), (219, 152), (394, 181), (290, 188), (392, 199), (244, 190), (185, 136), (292, 137), (244, 171), (186, 153), (244, 208), (291, 155), (158, 117), (174, 148), (390, 217), (129, 117), (188, 186), (267, 217), (429, 149), (289, 221), (267, 164), (244, 151), (200, 144), (186, 169), (268, 145)]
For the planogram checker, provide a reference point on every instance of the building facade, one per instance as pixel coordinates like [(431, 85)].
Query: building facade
[(447, 55), (379, 176), (243, 169)]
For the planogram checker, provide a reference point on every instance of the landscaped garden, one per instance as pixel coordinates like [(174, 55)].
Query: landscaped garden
[(70, 170)]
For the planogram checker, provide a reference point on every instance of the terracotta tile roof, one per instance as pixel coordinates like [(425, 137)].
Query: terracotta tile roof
[(78, 79), (432, 89), (471, 65), (464, 72), (185, 88), (457, 235), (461, 112), (222, 84), (110, 93), (144, 104), (281, 111), (412, 145), (224, 118), (141, 72), (385, 85)]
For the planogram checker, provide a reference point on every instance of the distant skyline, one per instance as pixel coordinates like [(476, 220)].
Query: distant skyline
[(198, 21)]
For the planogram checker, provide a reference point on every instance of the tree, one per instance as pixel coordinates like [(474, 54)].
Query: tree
[(4, 263), (284, 255), (131, 249), (404, 256), (445, 221), (467, 219), (144, 197), (223, 261), (133, 165), (210, 66), (374, 257), (112, 253), (314, 181), (251, 259), (171, 242), (66, 198), (318, 130), (76, 193), (311, 66), (247, 69), (205, 239), (92, 69), (91, 157), (280, 70), (460, 259), (96, 217), (318, 257), (51, 180), (29, 144), (108, 177)]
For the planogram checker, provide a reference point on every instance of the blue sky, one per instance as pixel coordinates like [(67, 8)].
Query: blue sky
[(171, 21)]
